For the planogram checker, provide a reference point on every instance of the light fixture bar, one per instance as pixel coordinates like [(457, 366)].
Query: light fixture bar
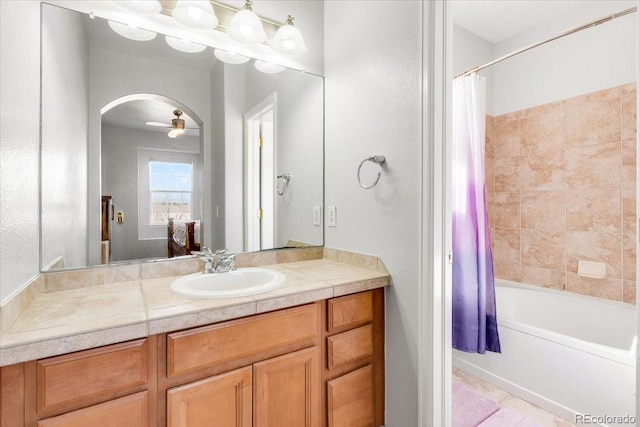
[(224, 14)]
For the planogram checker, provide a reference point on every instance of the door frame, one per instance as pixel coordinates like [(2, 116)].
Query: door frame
[(255, 175), (434, 343)]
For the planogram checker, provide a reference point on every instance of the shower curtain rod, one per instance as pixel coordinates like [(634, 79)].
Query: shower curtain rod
[(565, 33)]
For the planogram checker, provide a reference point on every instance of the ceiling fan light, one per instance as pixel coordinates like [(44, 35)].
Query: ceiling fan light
[(288, 39), (184, 45), (143, 7), (131, 32), (246, 27), (175, 132), (196, 14), (268, 67), (230, 57)]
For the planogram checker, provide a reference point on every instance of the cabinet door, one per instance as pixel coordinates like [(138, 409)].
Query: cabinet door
[(350, 399), (222, 400), (128, 411), (287, 390)]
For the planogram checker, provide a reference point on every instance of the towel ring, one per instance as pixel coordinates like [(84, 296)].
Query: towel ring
[(285, 179), (379, 160)]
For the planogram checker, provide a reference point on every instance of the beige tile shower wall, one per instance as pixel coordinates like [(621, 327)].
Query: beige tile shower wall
[(561, 185)]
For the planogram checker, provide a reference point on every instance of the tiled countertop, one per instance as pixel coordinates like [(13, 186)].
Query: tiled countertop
[(63, 321)]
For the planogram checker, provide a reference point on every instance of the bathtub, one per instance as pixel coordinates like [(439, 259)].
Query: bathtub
[(568, 354)]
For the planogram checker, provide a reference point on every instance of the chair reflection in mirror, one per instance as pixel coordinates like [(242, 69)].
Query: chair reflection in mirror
[(182, 237)]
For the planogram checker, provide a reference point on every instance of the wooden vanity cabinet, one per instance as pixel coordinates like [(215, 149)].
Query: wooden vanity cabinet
[(262, 370), (114, 383), (354, 360), (314, 365)]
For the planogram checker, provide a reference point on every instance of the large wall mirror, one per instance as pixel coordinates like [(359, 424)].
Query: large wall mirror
[(149, 151)]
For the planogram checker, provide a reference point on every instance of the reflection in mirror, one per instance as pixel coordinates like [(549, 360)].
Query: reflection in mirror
[(164, 159), (116, 165)]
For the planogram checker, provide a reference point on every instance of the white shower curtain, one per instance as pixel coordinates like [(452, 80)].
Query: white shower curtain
[(475, 327)]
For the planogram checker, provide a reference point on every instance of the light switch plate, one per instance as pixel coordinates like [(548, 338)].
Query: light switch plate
[(332, 218), (317, 215)]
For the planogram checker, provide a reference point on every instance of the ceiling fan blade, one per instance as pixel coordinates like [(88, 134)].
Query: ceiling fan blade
[(164, 125)]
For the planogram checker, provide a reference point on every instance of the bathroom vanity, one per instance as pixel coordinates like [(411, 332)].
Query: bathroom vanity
[(309, 360)]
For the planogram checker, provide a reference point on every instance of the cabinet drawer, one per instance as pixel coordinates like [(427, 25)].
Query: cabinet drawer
[(128, 411), (349, 311), (91, 374), (349, 346), (204, 347), (350, 399)]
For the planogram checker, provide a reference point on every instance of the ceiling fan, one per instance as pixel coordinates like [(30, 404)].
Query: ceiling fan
[(177, 125)]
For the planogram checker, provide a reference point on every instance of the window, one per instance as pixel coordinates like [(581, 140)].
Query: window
[(170, 189), (169, 186)]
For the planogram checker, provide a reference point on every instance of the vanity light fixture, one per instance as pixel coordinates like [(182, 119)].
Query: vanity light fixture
[(196, 14), (242, 26), (143, 7), (230, 57), (246, 27), (288, 39), (184, 45), (131, 32), (268, 67)]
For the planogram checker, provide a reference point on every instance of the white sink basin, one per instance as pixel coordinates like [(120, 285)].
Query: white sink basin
[(239, 283)]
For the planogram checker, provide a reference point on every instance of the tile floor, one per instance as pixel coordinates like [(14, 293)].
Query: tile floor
[(506, 400)]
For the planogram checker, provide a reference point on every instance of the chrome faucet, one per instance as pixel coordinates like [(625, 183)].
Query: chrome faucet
[(216, 262)]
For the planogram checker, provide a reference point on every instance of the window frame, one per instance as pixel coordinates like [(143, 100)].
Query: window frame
[(147, 230), (152, 192)]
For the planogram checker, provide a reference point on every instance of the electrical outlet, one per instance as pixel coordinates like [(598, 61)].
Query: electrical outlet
[(317, 215), (332, 219)]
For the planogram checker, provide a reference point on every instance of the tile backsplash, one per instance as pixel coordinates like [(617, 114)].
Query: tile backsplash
[(561, 185)]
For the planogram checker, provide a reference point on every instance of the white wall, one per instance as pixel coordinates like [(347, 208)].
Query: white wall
[(469, 51), (114, 75), (120, 180), (373, 69), (594, 59), (65, 106), (233, 96), (20, 142), (299, 148)]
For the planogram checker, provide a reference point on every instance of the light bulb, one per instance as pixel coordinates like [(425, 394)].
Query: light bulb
[(175, 132), (131, 32), (245, 26), (288, 39), (144, 7), (184, 45), (197, 14), (194, 13), (246, 30), (268, 67), (230, 57)]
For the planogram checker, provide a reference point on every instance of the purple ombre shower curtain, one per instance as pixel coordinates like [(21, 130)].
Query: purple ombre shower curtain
[(475, 328)]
